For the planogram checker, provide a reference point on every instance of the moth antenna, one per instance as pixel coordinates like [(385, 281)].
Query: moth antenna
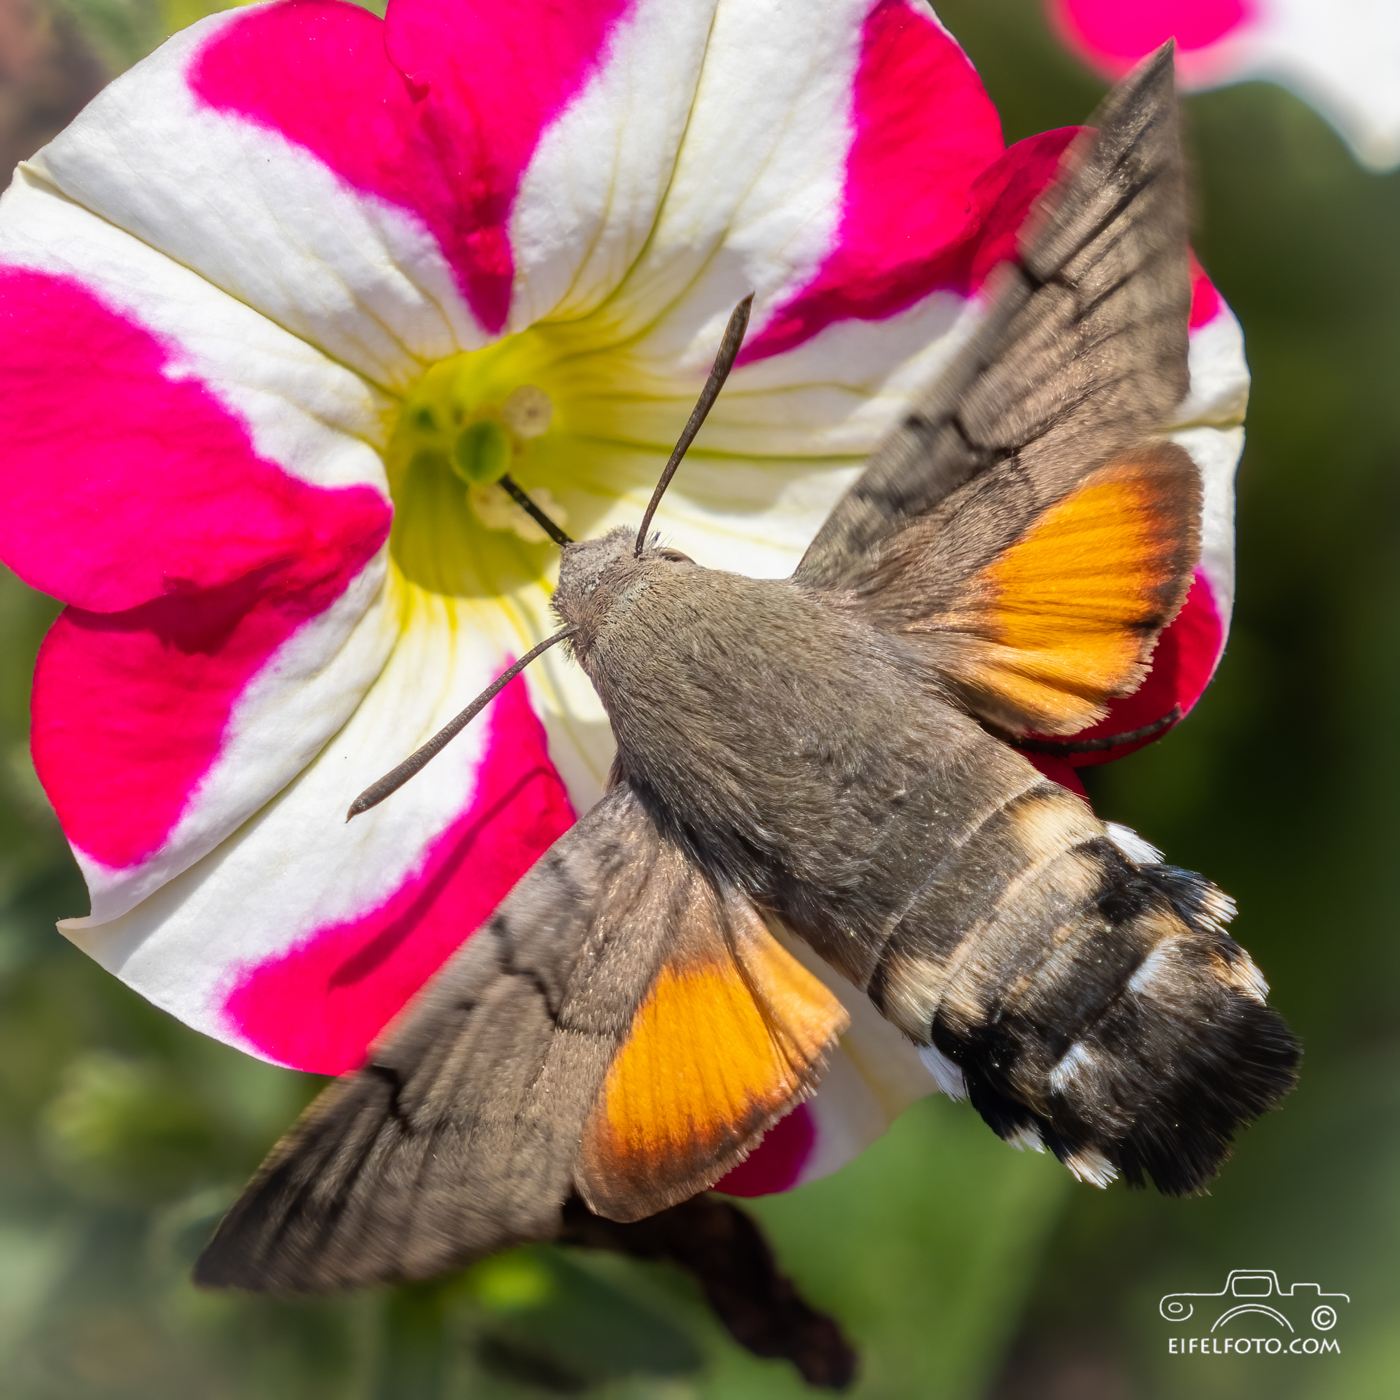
[(724, 362), (391, 782), (514, 491)]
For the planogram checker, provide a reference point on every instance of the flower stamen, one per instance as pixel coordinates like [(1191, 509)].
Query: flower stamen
[(461, 423)]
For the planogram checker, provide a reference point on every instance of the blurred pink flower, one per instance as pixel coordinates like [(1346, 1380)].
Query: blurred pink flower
[(279, 308), (1342, 56)]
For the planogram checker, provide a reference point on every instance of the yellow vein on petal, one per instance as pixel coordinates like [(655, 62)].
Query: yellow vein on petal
[(670, 182)]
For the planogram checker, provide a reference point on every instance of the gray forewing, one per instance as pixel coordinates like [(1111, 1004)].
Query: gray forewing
[(458, 1138), (1082, 354)]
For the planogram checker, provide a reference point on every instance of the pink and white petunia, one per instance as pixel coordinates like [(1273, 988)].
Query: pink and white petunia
[(278, 310), (1342, 56)]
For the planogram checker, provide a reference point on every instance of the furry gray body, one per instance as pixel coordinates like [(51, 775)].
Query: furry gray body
[(816, 762), (795, 750)]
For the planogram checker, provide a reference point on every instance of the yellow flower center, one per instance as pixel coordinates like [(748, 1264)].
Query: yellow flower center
[(566, 410), (463, 426)]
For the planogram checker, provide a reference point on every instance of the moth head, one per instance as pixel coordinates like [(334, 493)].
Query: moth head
[(599, 578)]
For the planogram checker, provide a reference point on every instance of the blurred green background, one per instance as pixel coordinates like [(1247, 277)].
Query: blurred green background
[(960, 1267)]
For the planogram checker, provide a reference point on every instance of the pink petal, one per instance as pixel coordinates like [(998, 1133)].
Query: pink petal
[(1205, 300), (438, 111), (142, 498), (124, 483), (1339, 55), (1185, 659), (923, 211), (258, 216), (1058, 771), (1112, 36), (923, 130), (1003, 197), (131, 710), (319, 1005), (776, 1163)]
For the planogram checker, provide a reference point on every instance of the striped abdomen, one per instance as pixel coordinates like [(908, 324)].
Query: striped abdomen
[(1092, 1001)]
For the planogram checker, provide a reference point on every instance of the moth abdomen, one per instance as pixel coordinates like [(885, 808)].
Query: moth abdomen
[(1158, 1076), (1094, 1005)]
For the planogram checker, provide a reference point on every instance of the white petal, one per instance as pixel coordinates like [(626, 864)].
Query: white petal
[(874, 1076), (262, 218), (588, 198), (756, 195), (1210, 428), (1342, 56)]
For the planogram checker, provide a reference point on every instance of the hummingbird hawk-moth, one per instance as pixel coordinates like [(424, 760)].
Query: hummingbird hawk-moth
[(833, 756)]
